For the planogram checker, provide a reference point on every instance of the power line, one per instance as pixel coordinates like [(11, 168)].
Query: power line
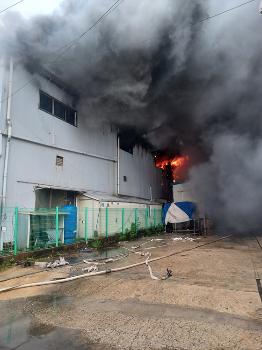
[(67, 47), (9, 7), (225, 11), (215, 15)]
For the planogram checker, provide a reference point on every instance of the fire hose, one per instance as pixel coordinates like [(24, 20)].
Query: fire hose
[(107, 271)]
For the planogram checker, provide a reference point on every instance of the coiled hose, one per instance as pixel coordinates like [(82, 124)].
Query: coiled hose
[(104, 272)]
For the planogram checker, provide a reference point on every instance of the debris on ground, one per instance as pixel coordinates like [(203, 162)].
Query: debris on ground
[(135, 246), (190, 239), (52, 265), (92, 268), (86, 250), (105, 260), (41, 264), (90, 262), (160, 246)]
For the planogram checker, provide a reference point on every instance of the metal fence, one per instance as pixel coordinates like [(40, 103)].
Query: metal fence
[(25, 229)]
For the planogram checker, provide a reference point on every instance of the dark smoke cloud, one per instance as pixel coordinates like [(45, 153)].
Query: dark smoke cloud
[(183, 86), (122, 67)]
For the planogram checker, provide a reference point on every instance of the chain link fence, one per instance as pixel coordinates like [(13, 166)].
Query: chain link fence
[(24, 229)]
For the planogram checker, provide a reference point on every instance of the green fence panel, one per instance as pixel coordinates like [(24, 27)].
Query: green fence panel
[(146, 217), (107, 214), (57, 226), (123, 220), (15, 230), (86, 224), (136, 219), (25, 229)]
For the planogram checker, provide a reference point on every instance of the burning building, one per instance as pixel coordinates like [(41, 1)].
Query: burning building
[(180, 83), (51, 154), (51, 157), (178, 166)]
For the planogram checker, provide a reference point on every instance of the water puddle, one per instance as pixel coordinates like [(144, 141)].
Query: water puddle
[(19, 330), (96, 254)]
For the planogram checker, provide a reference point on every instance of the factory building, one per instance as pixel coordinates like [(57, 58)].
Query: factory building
[(52, 155)]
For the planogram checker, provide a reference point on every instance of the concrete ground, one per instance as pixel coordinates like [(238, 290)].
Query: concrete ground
[(210, 302)]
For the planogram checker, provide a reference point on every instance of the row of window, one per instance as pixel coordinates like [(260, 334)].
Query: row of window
[(58, 109)]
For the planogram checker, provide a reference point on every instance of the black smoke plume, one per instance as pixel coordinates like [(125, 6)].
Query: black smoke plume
[(182, 84)]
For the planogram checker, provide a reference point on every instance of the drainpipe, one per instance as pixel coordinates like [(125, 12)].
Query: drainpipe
[(9, 133), (151, 195), (118, 166)]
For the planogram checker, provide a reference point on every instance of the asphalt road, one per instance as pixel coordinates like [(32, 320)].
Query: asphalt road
[(210, 302)]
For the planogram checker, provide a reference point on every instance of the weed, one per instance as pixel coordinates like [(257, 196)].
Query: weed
[(98, 243), (5, 264)]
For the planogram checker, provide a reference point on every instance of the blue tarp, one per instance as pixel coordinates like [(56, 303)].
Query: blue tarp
[(178, 212)]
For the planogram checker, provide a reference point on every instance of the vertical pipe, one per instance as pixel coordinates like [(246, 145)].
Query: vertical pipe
[(123, 220), (56, 226), (118, 166), (86, 224), (15, 230), (154, 217), (93, 219), (107, 222), (9, 133)]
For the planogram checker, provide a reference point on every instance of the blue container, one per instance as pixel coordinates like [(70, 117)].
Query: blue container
[(70, 223)]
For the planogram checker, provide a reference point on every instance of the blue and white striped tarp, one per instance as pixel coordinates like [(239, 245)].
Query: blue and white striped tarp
[(175, 213)]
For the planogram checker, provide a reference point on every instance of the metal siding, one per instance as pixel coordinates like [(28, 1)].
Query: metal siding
[(29, 122), (39, 137), (141, 173), (35, 164)]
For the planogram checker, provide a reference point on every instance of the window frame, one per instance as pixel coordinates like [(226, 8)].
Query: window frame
[(67, 107)]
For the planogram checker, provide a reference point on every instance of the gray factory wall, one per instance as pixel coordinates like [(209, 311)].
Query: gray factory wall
[(140, 173), (35, 164), (89, 152), (38, 137), (29, 122)]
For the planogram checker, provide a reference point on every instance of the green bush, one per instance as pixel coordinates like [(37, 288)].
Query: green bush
[(80, 240), (7, 263), (98, 243), (133, 232), (159, 229)]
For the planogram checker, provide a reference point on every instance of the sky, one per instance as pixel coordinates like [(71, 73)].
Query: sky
[(32, 7), (29, 8)]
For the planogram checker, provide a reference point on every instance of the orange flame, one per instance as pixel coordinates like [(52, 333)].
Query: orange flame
[(179, 166)]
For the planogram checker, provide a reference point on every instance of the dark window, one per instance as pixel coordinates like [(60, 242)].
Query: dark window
[(125, 178), (59, 110), (71, 116), (59, 161), (126, 147), (126, 141), (51, 198), (46, 102)]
